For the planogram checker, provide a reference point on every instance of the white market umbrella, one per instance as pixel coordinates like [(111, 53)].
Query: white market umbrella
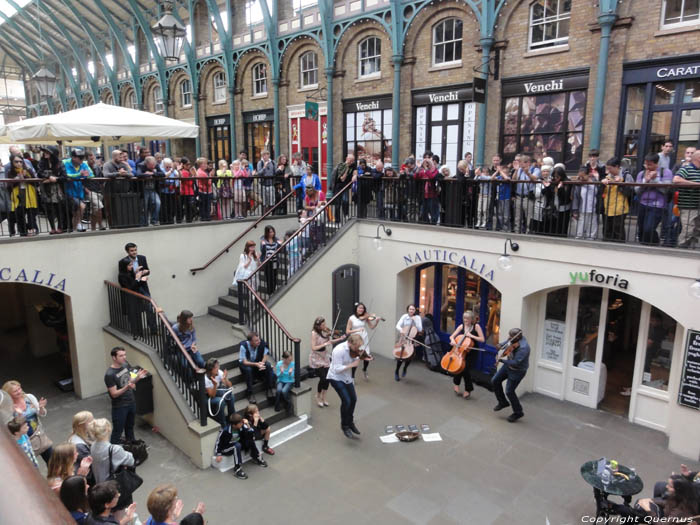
[(99, 123)]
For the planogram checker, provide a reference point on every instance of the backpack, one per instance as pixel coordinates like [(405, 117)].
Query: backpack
[(138, 449)]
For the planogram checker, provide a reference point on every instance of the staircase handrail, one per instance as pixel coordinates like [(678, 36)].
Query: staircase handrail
[(245, 232)]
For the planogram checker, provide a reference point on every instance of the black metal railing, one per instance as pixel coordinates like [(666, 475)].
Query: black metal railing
[(620, 212), (140, 317), (34, 206)]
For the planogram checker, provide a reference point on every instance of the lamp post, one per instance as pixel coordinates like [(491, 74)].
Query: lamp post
[(45, 83), (169, 33)]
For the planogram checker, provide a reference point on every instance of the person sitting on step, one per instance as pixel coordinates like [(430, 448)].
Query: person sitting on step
[(219, 390), (255, 363), (233, 439), (260, 427), (285, 381)]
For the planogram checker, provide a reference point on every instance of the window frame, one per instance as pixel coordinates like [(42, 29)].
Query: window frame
[(186, 96), (672, 25), (445, 43), (158, 105), (219, 75), (377, 56), (559, 17), (258, 79), (133, 103), (309, 70)]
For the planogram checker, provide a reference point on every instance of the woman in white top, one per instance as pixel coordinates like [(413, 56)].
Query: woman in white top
[(358, 324), (219, 390), (472, 330), (407, 320), (101, 429), (247, 263)]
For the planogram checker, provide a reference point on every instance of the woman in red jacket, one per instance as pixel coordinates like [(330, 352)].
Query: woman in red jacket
[(431, 190), (187, 188)]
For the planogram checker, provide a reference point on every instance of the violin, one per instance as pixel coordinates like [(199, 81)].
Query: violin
[(371, 317), (361, 353), (508, 347), (455, 361), (404, 347)]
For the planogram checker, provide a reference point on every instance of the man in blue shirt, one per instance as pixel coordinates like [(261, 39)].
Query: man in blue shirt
[(254, 359), (524, 193), (514, 369)]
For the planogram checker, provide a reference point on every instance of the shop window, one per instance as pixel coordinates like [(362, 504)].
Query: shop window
[(689, 132), (368, 135), (664, 93), (633, 120), (660, 130), (587, 322), (186, 93), (547, 125), (549, 23), (426, 292), (659, 350), (308, 69), (447, 42), (158, 100), (131, 101), (259, 79), (369, 54), (692, 91), (555, 325), (680, 13), (299, 5), (448, 309), (219, 87)]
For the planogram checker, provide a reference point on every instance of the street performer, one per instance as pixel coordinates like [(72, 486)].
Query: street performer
[(346, 357), (514, 354)]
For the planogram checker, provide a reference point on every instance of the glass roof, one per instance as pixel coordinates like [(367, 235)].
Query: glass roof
[(8, 10)]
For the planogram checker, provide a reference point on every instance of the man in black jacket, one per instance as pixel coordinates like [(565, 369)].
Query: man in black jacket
[(342, 174), (149, 171), (140, 263)]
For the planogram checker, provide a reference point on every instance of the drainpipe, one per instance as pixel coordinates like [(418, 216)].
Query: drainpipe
[(276, 117), (329, 125), (396, 112), (606, 21), (486, 44), (231, 118), (195, 108)]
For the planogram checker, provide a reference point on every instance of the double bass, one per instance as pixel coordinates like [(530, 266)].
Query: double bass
[(455, 360), (404, 347)]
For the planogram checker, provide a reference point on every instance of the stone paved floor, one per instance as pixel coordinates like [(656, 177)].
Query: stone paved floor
[(485, 471)]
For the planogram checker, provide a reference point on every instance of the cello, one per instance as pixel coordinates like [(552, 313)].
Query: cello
[(455, 360), (404, 347)]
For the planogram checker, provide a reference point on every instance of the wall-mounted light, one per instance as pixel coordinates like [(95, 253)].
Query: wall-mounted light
[(505, 262), (378, 239), (694, 289)]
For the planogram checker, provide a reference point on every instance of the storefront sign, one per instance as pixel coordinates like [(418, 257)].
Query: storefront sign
[(218, 121), (553, 346), (479, 94), (449, 256), (258, 116), (689, 392), (443, 96), (23, 275), (356, 106), (661, 69), (595, 277), (513, 87), (678, 71)]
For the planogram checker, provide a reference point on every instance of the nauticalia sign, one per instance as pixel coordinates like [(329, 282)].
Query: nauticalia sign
[(32, 276)]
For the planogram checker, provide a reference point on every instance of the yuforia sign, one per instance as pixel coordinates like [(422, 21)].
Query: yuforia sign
[(22, 275), (594, 277)]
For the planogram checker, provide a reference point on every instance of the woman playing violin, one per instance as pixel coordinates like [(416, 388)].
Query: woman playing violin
[(473, 331), (358, 324), (407, 321), (322, 340)]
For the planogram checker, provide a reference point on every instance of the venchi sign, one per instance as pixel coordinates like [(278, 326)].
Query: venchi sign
[(33, 276)]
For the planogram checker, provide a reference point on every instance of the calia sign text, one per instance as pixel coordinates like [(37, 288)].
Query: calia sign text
[(32, 277), (593, 276)]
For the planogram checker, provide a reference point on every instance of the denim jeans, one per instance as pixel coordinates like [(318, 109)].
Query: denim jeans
[(252, 372), (221, 410), (152, 202), (123, 420), (283, 392), (196, 357), (514, 377), (648, 219), (348, 399)]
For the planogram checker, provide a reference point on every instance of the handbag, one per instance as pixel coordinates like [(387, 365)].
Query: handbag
[(127, 479), (40, 441)]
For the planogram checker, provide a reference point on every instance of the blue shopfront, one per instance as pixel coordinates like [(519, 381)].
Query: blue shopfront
[(446, 291)]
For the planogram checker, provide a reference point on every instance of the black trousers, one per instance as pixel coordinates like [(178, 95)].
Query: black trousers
[(322, 380), (467, 377)]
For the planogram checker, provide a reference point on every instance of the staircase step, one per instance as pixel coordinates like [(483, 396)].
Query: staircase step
[(233, 291), (224, 312), (229, 302)]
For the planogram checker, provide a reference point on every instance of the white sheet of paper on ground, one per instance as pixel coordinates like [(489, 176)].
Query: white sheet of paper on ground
[(389, 438), (432, 437)]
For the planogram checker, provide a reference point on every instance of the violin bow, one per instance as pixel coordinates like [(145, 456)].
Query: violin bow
[(337, 317)]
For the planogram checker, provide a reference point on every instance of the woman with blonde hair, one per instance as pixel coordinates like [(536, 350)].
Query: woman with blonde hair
[(81, 437), (239, 201), (472, 330), (61, 465), (27, 406), (101, 451), (224, 185)]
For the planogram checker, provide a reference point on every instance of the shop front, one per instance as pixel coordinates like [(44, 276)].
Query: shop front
[(544, 116), (258, 133), (660, 102), (444, 123), (309, 137), (367, 131), (219, 136)]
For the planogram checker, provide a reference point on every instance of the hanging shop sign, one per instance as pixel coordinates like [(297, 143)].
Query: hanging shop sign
[(258, 116), (538, 86), (448, 256), (32, 276), (689, 392), (595, 277)]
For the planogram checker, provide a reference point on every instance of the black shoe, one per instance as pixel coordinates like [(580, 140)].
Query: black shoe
[(277, 407), (347, 433), (354, 430), (260, 462), (500, 406), (251, 399), (239, 473), (396, 376), (514, 417), (403, 374)]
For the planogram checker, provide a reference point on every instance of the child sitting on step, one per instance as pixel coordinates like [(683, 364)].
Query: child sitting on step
[(235, 438)]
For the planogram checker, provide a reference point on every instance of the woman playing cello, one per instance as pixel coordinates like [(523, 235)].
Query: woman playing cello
[(410, 323), (469, 329), (358, 324)]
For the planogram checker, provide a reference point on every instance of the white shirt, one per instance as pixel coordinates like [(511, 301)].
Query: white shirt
[(339, 360), (407, 320), (356, 323), (208, 383)]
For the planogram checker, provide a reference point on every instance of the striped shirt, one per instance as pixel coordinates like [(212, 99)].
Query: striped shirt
[(687, 198)]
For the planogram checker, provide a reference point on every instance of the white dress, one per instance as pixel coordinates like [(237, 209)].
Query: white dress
[(242, 273), (356, 323)]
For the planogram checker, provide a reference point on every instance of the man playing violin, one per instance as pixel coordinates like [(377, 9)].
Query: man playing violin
[(346, 357), (514, 354)]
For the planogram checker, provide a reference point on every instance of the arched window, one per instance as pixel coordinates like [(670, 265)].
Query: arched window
[(158, 100), (549, 23), (131, 100), (259, 79), (447, 42), (186, 93), (369, 57), (219, 87), (308, 70)]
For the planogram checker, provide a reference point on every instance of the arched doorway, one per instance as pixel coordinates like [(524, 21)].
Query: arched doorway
[(445, 292)]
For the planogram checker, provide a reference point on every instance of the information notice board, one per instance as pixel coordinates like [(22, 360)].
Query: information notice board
[(689, 393)]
